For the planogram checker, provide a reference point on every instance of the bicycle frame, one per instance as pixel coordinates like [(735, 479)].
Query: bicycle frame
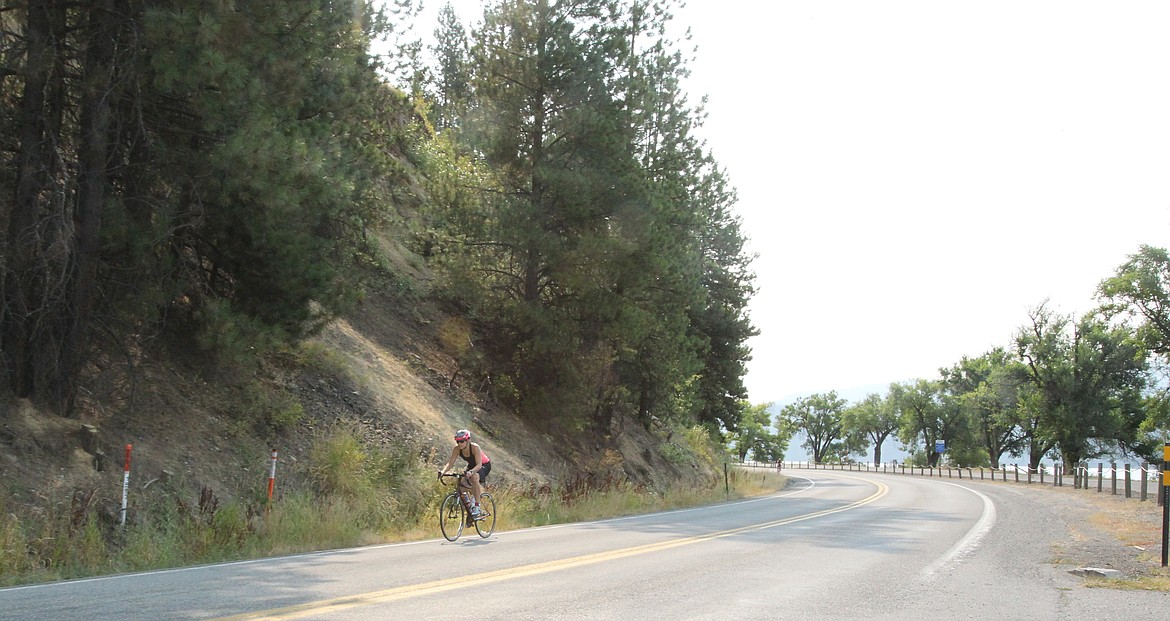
[(484, 524)]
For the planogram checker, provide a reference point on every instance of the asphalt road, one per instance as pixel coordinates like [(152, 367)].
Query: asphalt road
[(832, 546)]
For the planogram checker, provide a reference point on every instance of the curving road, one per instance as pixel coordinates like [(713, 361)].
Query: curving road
[(832, 546)]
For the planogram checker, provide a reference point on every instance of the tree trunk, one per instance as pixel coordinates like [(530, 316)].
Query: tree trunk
[(931, 457), (93, 180), (877, 450), (33, 233), (61, 191)]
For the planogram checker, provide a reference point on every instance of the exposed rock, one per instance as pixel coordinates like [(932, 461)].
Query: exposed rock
[(1095, 572)]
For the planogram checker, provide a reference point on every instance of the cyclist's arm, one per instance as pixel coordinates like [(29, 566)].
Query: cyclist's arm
[(450, 460)]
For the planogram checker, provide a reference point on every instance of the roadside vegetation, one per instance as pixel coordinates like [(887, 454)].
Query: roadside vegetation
[(353, 495), (191, 194), (219, 183)]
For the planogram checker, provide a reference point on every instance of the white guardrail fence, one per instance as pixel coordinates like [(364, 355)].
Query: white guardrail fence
[(1142, 480)]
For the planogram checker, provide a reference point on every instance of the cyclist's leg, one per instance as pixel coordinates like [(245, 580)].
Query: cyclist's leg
[(480, 478), (465, 491), (471, 479), (475, 484)]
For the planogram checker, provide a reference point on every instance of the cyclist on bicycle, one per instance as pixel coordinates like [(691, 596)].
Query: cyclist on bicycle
[(478, 465)]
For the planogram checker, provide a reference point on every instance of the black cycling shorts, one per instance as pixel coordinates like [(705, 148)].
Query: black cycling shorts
[(483, 472)]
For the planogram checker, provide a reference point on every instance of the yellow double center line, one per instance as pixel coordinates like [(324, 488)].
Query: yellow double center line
[(440, 586)]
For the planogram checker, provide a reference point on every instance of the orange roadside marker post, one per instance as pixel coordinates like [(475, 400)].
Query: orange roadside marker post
[(272, 476)]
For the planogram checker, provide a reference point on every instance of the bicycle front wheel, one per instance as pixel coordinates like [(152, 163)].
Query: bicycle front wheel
[(451, 517), (487, 518)]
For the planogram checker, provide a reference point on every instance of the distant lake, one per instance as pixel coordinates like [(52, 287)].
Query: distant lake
[(892, 451)]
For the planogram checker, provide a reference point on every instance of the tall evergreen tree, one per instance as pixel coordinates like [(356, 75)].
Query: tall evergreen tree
[(73, 72), (191, 156), (697, 248), (452, 90), (609, 270), (548, 127)]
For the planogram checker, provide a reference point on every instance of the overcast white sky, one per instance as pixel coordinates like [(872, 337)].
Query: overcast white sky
[(916, 175)]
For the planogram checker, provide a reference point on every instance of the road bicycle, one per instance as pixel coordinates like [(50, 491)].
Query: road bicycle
[(455, 512)]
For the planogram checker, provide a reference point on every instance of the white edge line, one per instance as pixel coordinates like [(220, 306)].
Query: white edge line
[(969, 542), (159, 572)]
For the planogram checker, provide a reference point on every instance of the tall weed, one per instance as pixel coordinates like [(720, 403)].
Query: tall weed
[(383, 487), (359, 494)]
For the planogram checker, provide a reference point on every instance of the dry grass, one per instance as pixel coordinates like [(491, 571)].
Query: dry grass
[(1137, 527)]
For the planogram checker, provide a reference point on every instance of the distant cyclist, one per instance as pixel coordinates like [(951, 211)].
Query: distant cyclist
[(478, 465)]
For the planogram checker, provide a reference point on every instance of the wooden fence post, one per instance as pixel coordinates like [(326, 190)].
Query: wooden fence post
[(1145, 478)]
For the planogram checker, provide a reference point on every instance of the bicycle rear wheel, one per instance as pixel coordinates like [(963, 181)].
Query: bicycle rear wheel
[(451, 517), (487, 519)]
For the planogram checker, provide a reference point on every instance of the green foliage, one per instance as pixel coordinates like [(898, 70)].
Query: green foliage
[(987, 391), (249, 149), (924, 419), (372, 483), (589, 235), (282, 176), (71, 541), (453, 79), (694, 446), (1082, 388), (1139, 290), (568, 209), (14, 559), (264, 410), (341, 464), (676, 454), (820, 417), (1089, 378), (871, 421), (1157, 409), (754, 435), (314, 355)]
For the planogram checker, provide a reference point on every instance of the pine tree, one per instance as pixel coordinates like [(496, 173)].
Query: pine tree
[(611, 277), (219, 160), (453, 79), (549, 129)]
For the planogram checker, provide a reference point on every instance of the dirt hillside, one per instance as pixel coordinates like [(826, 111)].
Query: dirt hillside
[(382, 369)]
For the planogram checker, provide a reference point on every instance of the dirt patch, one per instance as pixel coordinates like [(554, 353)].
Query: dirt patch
[(1110, 532), (388, 367)]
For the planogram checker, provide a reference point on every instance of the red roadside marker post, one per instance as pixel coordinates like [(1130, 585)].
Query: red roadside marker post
[(272, 476)]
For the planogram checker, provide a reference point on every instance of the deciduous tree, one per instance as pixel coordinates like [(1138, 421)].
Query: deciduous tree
[(873, 420), (1089, 377), (987, 391), (819, 416)]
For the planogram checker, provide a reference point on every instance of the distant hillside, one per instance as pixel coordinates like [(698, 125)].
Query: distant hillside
[(851, 394)]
